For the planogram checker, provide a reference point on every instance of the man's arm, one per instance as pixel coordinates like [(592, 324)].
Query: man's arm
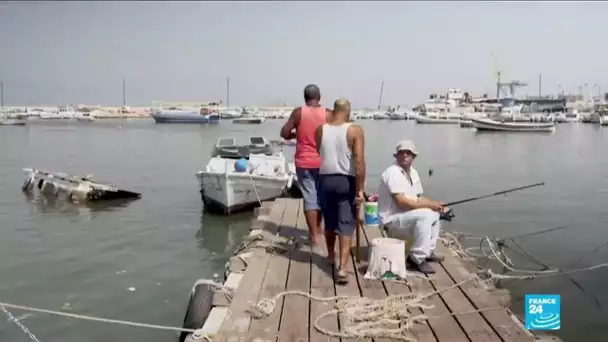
[(291, 124), (319, 137), (358, 150)]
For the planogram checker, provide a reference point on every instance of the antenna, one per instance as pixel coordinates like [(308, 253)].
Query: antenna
[(227, 92), (124, 93), (381, 91)]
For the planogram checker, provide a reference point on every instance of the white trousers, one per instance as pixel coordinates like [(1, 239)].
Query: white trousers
[(421, 224)]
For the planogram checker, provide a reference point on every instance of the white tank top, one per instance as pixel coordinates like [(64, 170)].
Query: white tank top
[(336, 156)]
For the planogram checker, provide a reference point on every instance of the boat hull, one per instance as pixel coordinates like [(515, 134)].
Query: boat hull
[(12, 122), (193, 118), (497, 126), (235, 192), (248, 121), (427, 120)]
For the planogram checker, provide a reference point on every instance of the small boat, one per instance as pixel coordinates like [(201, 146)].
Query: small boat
[(486, 124), (380, 116), (72, 188), (10, 121), (604, 120), (466, 123), (248, 120), (84, 117), (184, 117), (424, 119), (233, 181)]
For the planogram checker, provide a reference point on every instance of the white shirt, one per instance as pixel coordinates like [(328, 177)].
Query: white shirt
[(394, 181)]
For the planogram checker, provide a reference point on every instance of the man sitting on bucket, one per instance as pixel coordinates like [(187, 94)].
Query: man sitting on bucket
[(404, 212)]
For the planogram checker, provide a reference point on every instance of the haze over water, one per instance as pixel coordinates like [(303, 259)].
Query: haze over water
[(164, 242)]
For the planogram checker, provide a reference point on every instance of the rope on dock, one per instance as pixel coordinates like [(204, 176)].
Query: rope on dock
[(366, 317)]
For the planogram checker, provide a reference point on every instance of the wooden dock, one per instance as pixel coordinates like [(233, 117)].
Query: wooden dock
[(287, 262)]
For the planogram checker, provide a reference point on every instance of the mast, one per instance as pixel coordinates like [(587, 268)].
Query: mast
[(381, 91), (497, 84), (227, 92), (124, 93), (1, 95), (540, 85)]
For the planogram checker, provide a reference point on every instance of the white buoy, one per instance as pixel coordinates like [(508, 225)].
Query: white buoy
[(386, 259)]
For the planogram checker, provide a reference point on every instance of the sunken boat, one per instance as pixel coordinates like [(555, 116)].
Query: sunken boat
[(77, 189)]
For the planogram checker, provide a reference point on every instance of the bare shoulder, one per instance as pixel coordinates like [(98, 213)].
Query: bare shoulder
[(355, 130), (296, 114)]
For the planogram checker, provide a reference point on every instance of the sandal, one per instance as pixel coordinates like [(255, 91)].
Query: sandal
[(342, 276)]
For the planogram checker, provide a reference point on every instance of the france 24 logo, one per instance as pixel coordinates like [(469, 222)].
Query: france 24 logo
[(543, 312)]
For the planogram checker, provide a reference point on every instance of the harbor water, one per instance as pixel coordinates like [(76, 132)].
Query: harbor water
[(138, 262)]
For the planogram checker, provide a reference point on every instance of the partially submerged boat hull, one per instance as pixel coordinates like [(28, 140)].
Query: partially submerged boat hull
[(72, 188), (496, 126)]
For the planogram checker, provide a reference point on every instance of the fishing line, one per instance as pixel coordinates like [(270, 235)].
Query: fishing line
[(548, 230)]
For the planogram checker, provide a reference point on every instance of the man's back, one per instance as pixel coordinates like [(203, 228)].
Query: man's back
[(306, 155), (394, 180), (336, 154)]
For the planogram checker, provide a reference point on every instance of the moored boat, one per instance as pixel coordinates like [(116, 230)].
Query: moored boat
[(440, 119), (248, 120), (12, 122), (183, 116), (486, 124), (237, 178)]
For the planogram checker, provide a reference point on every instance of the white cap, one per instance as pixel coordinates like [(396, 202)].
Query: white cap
[(407, 145)]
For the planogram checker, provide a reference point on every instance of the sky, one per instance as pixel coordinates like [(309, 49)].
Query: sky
[(54, 53)]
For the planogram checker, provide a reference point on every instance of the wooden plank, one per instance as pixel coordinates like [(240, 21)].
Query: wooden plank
[(445, 328), (294, 319), (502, 321), (421, 331), (369, 288), (351, 288), (236, 324), (274, 282), (321, 285), (476, 328)]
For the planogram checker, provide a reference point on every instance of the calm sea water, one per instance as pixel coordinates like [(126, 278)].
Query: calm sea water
[(161, 244)]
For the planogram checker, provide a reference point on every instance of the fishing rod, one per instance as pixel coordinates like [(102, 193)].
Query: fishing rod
[(449, 215), (504, 192)]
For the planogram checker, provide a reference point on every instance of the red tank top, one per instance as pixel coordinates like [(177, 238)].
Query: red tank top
[(306, 155)]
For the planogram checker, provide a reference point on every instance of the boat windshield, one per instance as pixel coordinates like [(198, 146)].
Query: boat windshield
[(223, 142), (257, 141)]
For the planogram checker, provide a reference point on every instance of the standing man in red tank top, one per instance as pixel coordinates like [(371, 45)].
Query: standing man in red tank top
[(304, 121)]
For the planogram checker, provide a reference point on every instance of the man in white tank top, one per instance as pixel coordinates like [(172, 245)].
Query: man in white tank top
[(341, 181), (405, 213)]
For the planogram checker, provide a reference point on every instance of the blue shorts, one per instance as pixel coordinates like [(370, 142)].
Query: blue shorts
[(309, 184), (338, 205)]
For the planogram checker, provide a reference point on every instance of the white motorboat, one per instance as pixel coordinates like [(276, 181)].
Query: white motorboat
[(12, 119), (380, 116), (604, 120), (242, 177), (248, 120), (84, 116), (436, 119), (12, 122), (486, 124)]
